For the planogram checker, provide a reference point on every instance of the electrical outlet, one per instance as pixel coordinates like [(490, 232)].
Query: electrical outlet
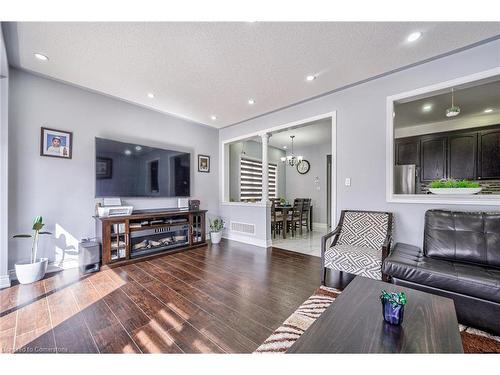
[(347, 181)]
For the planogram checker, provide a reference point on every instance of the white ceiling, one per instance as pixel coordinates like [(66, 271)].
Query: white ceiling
[(309, 134), (197, 70), (471, 100)]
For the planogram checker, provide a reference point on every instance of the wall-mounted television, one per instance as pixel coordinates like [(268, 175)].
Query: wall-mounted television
[(134, 170)]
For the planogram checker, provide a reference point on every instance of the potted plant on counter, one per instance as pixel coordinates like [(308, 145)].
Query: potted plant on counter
[(34, 270), (451, 186), (216, 227)]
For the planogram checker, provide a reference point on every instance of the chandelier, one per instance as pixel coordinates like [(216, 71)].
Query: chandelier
[(292, 160), (454, 110)]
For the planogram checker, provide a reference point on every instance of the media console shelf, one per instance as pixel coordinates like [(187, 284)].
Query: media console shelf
[(149, 233)]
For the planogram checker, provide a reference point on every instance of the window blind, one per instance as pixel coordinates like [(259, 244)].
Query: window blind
[(251, 180)]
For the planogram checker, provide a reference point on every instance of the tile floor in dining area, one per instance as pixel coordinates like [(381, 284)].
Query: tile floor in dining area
[(309, 242)]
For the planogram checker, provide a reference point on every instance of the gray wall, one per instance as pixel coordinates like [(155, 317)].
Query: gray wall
[(253, 150), (62, 191), (361, 129), (305, 186)]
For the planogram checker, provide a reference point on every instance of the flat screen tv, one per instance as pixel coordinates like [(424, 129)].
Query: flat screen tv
[(133, 170)]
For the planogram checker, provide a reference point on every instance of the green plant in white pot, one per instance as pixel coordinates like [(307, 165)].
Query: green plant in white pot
[(34, 270), (216, 227)]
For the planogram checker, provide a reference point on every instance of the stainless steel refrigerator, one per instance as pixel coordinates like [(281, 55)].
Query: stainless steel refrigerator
[(405, 177)]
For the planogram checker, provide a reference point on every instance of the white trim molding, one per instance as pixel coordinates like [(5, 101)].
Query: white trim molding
[(490, 200), (4, 281)]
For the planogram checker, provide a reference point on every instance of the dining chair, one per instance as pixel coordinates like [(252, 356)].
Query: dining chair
[(276, 217), (306, 214), (361, 242), (294, 218)]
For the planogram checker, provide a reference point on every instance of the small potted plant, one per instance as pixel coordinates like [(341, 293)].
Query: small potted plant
[(216, 227), (451, 186), (393, 306), (34, 270)]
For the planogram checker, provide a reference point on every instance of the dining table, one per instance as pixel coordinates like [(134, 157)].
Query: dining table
[(285, 209)]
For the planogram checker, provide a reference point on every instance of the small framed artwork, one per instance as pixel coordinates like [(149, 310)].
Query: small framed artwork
[(56, 143), (103, 168), (204, 163)]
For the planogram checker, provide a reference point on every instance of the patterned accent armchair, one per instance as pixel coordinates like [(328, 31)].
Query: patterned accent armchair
[(360, 243)]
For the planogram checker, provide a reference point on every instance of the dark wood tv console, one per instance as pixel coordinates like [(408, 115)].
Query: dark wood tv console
[(149, 233)]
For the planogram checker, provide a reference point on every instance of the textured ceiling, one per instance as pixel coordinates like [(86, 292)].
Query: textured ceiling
[(197, 70), (471, 100)]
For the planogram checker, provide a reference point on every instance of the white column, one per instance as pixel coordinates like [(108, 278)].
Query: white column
[(265, 167)]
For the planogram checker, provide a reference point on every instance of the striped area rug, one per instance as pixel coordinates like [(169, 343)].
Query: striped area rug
[(473, 340), (286, 335)]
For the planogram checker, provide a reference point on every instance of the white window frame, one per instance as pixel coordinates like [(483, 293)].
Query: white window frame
[(490, 200)]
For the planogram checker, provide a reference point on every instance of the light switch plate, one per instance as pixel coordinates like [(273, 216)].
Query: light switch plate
[(347, 181)]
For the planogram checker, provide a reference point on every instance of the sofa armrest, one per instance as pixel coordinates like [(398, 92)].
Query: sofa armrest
[(402, 254)]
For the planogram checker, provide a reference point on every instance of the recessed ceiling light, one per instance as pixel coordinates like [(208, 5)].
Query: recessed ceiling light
[(488, 110), (310, 78), (427, 107), (213, 117), (41, 57), (251, 101), (127, 152), (414, 36), (151, 95), (138, 148), (284, 147)]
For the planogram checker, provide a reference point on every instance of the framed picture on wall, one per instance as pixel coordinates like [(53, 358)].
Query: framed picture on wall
[(103, 168), (56, 143), (204, 163)]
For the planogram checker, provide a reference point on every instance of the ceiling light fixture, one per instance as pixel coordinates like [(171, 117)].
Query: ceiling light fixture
[(127, 152), (41, 57), (138, 148), (213, 117), (151, 95), (251, 101), (488, 110), (284, 147), (454, 110), (292, 160), (427, 107), (414, 36), (311, 77)]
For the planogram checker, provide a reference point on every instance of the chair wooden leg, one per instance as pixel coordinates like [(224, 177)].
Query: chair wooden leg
[(323, 276)]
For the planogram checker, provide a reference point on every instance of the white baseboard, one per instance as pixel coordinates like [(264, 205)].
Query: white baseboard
[(248, 240), (4, 281)]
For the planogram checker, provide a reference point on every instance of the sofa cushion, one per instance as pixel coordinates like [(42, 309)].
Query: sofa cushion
[(408, 263), (472, 237)]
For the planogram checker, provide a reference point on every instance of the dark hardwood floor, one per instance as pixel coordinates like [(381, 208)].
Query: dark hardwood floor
[(222, 299)]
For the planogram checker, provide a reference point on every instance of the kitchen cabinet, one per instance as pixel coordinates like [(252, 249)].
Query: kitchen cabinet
[(462, 156), (407, 151), (433, 158), (489, 154)]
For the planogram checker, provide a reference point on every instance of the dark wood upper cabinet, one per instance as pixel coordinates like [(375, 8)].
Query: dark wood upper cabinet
[(407, 151), (462, 156), (433, 158), (489, 154)]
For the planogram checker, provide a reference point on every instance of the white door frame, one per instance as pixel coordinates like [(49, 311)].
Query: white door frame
[(331, 115)]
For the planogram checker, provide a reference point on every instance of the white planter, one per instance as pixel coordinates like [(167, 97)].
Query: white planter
[(28, 273), (215, 237), (455, 191)]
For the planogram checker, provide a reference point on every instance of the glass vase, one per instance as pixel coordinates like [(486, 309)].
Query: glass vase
[(393, 314)]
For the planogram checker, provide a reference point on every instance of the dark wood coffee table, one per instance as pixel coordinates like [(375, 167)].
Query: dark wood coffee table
[(354, 324)]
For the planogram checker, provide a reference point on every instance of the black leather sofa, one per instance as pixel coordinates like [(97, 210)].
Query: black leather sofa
[(460, 260)]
